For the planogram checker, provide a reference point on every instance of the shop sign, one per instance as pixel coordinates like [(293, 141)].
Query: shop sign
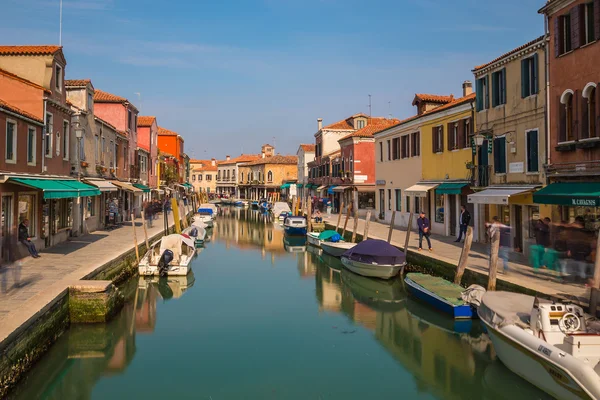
[(584, 202), (380, 182), (516, 167)]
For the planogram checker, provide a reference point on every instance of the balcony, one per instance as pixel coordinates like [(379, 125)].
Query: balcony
[(582, 168), (479, 175)]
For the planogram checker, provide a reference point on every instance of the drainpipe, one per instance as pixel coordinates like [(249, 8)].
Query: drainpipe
[(547, 108), (44, 138)]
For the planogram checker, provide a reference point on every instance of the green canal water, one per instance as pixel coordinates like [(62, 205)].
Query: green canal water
[(263, 318)]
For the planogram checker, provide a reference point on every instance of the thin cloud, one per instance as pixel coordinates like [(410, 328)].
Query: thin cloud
[(474, 28)]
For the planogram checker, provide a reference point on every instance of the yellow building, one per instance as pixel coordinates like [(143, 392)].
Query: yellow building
[(203, 175), (264, 177), (446, 151)]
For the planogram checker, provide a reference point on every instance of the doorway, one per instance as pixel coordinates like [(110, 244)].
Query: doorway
[(382, 202), (7, 216), (483, 178), (518, 229), (453, 217)]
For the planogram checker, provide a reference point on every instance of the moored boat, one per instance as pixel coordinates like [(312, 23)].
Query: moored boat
[(317, 238), (374, 258), (279, 208), (295, 226), (171, 255), (441, 294), (198, 233), (336, 249), (552, 345)]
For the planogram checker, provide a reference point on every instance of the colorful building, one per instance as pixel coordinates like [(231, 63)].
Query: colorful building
[(306, 155), (171, 143), (204, 175), (264, 177), (148, 141)]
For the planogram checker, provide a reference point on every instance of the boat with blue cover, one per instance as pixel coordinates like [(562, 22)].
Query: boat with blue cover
[(374, 258), (316, 238), (295, 226), (440, 294)]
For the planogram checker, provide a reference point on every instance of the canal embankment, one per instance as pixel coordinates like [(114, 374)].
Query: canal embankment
[(73, 282)]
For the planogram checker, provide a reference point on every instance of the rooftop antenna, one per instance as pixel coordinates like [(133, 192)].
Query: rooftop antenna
[(60, 25), (370, 105)]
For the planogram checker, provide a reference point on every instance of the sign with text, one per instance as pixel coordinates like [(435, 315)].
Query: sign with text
[(516, 167)]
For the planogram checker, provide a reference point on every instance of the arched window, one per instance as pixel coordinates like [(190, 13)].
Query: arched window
[(241, 176), (588, 118), (567, 130), (270, 176)]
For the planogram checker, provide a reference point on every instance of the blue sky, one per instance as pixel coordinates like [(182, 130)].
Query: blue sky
[(232, 75)]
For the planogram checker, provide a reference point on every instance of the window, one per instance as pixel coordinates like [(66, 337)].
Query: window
[(112, 154), (405, 146), (529, 78), (31, 145), (588, 111), (389, 199), (65, 140), (58, 77), (193, 178), (27, 208), (407, 199), (10, 154), (134, 128), (48, 135), (398, 200), (532, 151), (389, 150), (500, 155), (351, 163), (90, 207), (438, 139), (62, 213), (129, 119), (381, 151), (439, 207), (416, 144), (417, 205), (270, 176), (360, 124), (453, 136), (208, 177), (588, 23), (566, 121), (482, 96), (499, 87), (103, 149), (562, 35), (81, 150), (466, 132), (395, 148), (366, 200), (200, 177)]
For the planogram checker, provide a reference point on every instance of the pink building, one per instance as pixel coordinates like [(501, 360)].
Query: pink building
[(148, 140)]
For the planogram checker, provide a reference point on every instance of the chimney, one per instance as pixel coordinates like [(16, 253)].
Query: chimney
[(467, 88), (227, 158), (320, 123), (263, 154), (213, 162)]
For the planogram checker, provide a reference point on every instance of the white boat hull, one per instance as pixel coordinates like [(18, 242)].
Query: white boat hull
[(313, 238), (371, 270), (336, 249), (174, 270), (545, 366)]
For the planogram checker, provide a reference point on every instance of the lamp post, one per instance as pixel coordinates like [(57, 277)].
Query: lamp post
[(79, 131)]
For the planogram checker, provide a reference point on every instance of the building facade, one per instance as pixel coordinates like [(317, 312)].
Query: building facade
[(204, 175), (171, 143), (264, 177), (148, 140), (306, 155)]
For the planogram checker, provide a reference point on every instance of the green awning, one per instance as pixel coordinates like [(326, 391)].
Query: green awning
[(59, 188), (185, 184), (298, 185), (450, 188), (285, 186), (145, 188), (584, 194)]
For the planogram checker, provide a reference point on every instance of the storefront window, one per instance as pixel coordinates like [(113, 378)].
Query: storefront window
[(439, 208), (90, 207), (591, 216), (504, 214), (534, 217), (62, 213), (27, 211), (366, 200)]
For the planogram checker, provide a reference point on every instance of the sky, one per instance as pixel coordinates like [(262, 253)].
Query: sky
[(230, 76)]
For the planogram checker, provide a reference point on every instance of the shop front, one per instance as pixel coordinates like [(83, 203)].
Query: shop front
[(96, 209), (569, 200), (127, 202), (447, 199), (425, 199)]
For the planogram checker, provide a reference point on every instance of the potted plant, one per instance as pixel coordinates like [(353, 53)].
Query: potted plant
[(99, 169), (469, 165), (85, 164)]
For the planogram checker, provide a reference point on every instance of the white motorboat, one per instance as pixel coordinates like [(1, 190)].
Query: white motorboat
[(198, 233), (295, 226), (279, 208), (336, 249), (171, 255), (554, 346), (204, 219), (374, 258), (211, 206), (317, 238)]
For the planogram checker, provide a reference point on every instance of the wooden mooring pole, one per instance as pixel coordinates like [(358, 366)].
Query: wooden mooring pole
[(367, 223), (495, 245), (137, 250), (346, 221), (595, 288), (355, 227), (145, 230), (337, 227), (464, 256), (309, 216), (408, 231), (391, 227)]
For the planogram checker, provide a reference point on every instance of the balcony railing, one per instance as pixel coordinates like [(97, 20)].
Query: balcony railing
[(480, 175)]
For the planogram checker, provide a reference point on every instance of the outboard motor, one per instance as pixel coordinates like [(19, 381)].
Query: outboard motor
[(194, 232), (163, 263)]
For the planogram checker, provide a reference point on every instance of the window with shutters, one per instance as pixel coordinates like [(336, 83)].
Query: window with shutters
[(438, 139), (529, 78), (453, 136), (532, 150), (465, 133), (389, 149), (482, 94), (500, 155), (395, 148), (390, 199), (381, 151), (564, 34), (398, 199), (589, 31), (405, 146), (588, 111), (566, 118), (415, 143), (499, 88)]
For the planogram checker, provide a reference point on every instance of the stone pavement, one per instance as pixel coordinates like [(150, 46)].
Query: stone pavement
[(445, 249), (27, 287)]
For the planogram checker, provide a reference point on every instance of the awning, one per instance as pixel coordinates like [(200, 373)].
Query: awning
[(285, 186), (330, 190), (187, 185), (143, 188), (497, 195), (450, 188), (584, 194), (339, 189), (103, 185), (299, 185), (59, 188), (127, 187), (420, 189), (366, 188), (322, 187)]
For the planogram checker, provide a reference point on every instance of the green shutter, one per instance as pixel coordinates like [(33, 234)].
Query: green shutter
[(524, 78), (487, 92), (494, 89), (535, 74), (532, 151), (503, 87), (479, 94)]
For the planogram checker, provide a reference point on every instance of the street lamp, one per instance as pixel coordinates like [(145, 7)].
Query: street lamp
[(79, 131), (479, 138)]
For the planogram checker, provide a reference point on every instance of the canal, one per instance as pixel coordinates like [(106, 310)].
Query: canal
[(262, 318)]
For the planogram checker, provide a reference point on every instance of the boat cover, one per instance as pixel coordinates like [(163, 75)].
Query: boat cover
[(209, 205), (447, 290), (280, 207), (330, 235), (173, 243), (375, 251), (208, 211), (506, 308)]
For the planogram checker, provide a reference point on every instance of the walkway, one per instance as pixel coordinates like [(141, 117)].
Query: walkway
[(445, 249), (27, 289)]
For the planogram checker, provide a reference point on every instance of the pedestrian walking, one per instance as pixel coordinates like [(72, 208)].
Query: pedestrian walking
[(538, 256), (424, 230), (149, 214), (579, 250), (26, 239), (464, 219)]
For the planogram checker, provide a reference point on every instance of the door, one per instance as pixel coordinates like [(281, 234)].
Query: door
[(381, 201), (483, 178), (518, 244), (7, 217), (453, 217)]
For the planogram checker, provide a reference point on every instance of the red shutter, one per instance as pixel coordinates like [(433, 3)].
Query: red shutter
[(575, 27), (597, 18), (557, 36), (562, 121), (584, 131), (576, 107)]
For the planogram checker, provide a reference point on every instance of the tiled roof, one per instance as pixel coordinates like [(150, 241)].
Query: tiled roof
[(374, 125), (77, 82), (277, 159), (17, 110), (165, 132), (206, 165), (541, 38), (145, 121), (345, 124), (244, 158), (432, 98), (29, 50), (308, 147), (22, 80), (105, 97)]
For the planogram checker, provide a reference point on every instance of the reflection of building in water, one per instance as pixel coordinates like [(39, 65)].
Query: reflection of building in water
[(307, 264), (328, 288)]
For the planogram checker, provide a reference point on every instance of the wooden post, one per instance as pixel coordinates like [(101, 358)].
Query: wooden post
[(137, 250), (495, 245), (294, 206), (308, 217), (595, 288), (176, 218), (367, 223), (184, 215), (337, 227), (464, 256), (408, 231), (391, 226), (145, 230), (355, 227), (346, 221)]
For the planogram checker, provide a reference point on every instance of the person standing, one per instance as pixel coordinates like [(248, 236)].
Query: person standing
[(424, 230), (26, 239), (464, 220)]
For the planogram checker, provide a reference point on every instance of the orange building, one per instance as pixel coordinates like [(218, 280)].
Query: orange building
[(171, 143)]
